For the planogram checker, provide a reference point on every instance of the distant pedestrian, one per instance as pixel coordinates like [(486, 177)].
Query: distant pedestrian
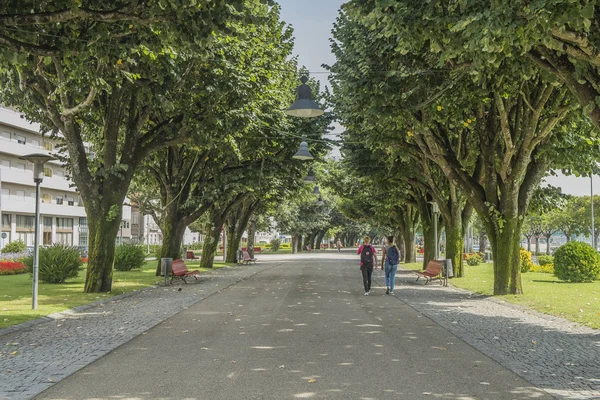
[(368, 259), (339, 245), (390, 259)]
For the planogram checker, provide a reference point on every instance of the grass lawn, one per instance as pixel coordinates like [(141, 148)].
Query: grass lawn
[(578, 302), (15, 292)]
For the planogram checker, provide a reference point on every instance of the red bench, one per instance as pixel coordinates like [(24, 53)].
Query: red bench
[(190, 255), (180, 271), (247, 259), (433, 271)]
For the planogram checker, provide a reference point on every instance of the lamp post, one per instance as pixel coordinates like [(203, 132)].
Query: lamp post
[(38, 161), (592, 203), (434, 208)]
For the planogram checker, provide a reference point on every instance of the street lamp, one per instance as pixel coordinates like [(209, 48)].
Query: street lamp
[(310, 176), (303, 153), (316, 190), (434, 208), (304, 106), (320, 201), (38, 161)]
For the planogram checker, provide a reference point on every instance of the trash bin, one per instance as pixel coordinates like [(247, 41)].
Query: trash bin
[(166, 265), (488, 256), (448, 270)]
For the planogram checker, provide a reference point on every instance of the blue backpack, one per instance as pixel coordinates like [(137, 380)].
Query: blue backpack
[(393, 255)]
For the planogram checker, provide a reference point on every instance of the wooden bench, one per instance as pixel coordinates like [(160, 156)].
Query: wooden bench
[(433, 271), (190, 255), (247, 259), (307, 248), (180, 271)]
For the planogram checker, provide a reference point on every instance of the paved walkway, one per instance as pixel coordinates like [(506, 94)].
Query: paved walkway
[(299, 327)]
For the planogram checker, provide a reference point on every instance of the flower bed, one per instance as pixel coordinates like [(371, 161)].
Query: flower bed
[(12, 268)]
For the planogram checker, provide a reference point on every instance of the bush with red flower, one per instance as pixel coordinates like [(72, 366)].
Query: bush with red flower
[(12, 264), (12, 267)]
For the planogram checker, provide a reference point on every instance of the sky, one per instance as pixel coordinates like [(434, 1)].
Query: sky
[(313, 20)]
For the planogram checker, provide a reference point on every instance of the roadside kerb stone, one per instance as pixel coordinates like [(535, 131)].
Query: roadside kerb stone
[(36, 354), (559, 356)]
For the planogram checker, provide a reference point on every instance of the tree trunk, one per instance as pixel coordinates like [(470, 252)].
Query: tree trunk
[(528, 243), (548, 244), (482, 242), (454, 246), (101, 251), (506, 248), (537, 245), (251, 235), (236, 234), (209, 249), (294, 244), (399, 238), (428, 244), (173, 230), (300, 243), (320, 239)]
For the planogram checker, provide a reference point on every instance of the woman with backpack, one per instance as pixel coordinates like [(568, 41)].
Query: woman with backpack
[(391, 259), (368, 259)]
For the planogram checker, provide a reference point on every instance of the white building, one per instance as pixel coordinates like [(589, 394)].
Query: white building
[(62, 215)]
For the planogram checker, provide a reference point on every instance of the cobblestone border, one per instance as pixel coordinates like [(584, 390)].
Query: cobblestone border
[(50, 349), (559, 356)]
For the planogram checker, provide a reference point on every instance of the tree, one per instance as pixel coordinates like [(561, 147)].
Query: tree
[(509, 154), (108, 79)]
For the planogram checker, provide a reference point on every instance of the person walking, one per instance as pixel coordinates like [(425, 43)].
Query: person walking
[(339, 245), (368, 259), (390, 260)]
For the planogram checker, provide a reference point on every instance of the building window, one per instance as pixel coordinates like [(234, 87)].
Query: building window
[(46, 198), (6, 221), (71, 202), (64, 223), (35, 143), (65, 238), (5, 192), (48, 172), (25, 221), (48, 223), (59, 174), (59, 200), (5, 135), (135, 219), (21, 139), (20, 194), (20, 166), (26, 237)]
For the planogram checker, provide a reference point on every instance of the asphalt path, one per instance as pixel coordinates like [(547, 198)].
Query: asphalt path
[(302, 329)]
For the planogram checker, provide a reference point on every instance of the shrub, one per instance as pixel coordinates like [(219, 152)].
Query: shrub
[(285, 246), (576, 262), (474, 259), (129, 256), (14, 247), (12, 268), (545, 260), (526, 263), (57, 263), (544, 269), (275, 244)]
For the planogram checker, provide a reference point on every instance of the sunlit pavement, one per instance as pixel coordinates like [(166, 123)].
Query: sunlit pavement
[(301, 329)]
